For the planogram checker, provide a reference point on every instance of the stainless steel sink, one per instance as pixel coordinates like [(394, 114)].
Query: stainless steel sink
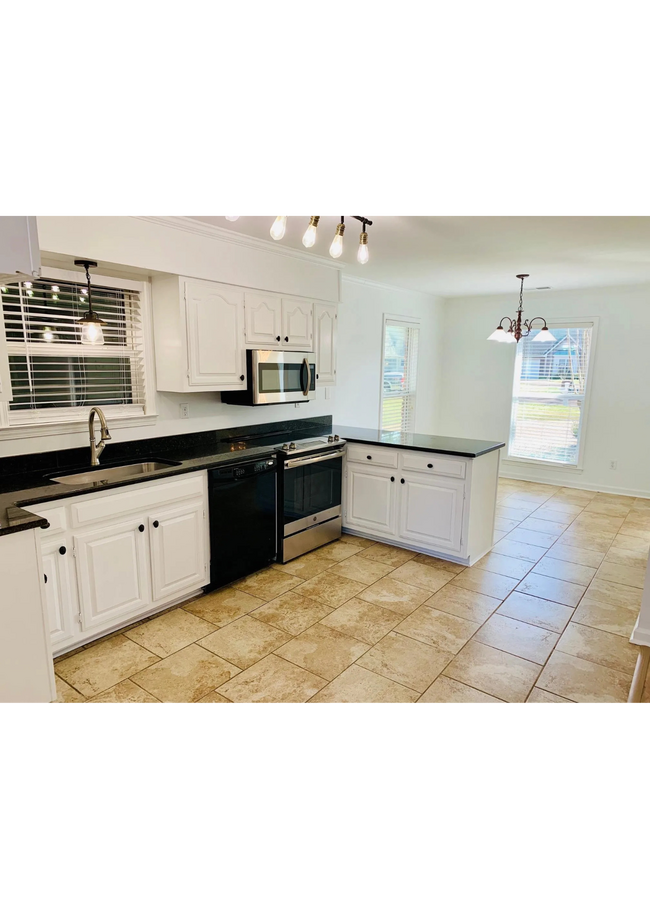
[(112, 473)]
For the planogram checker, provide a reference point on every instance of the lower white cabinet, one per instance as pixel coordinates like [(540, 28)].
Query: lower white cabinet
[(370, 499), (124, 553), (113, 572), (178, 558), (59, 595), (431, 511), (438, 504)]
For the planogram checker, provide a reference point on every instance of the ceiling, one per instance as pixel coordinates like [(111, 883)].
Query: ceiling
[(457, 256)]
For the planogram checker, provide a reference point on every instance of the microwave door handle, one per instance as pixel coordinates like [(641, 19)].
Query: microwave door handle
[(305, 362)]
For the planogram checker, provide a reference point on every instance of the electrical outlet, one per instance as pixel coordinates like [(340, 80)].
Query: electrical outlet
[(613, 464), (185, 409)]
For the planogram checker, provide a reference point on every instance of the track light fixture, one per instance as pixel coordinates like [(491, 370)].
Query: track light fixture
[(279, 227), (91, 324)]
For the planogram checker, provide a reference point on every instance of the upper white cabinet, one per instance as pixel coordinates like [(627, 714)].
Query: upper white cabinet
[(19, 252), (199, 335), (325, 319), (281, 323), (297, 324), (263, 319)]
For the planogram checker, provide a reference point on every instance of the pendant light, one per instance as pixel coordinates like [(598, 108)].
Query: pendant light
[(309, 238), (516, 328), (337, 243), (91, 325)]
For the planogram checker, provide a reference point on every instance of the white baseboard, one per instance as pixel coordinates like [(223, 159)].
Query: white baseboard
[(549, 479)]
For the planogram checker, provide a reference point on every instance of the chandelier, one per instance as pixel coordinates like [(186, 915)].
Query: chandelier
[(279, 227), (518, 329)]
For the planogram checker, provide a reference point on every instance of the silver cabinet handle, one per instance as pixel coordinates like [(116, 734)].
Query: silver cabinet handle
[(307, 460)]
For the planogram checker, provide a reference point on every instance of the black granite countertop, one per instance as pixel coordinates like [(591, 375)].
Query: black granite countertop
[(427, 443), (26, 480)]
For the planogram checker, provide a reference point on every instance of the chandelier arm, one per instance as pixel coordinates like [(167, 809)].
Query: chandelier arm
[(541, 319), (505, 319)]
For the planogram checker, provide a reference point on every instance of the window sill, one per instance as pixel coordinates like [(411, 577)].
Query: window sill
[(53, 428), (545, 464)]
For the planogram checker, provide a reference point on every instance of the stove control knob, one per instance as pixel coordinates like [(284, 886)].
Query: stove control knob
[(330, 439), (292, 446), (336, 437)]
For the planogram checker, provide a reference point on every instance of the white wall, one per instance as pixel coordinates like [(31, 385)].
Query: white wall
[(360, 348), (477, 382)]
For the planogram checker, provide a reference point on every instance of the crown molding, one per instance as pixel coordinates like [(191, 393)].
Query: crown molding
[(189, 225)]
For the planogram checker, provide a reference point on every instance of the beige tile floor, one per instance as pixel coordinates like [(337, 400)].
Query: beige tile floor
[(544, 617)]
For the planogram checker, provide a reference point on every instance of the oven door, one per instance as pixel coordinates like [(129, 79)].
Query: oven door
[(312, 490), (283, 376)]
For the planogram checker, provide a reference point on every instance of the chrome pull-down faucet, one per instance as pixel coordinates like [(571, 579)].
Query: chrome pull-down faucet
[(96, 449)]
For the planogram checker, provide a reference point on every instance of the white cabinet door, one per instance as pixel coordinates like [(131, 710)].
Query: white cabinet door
[(59, 596), (325, 342), (113, 572), (297, 322), (178, 557), (370, 502), (215, 336), (263, 319), (431, 511)]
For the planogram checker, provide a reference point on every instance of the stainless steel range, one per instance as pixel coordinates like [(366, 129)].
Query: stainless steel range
[(309, 494)]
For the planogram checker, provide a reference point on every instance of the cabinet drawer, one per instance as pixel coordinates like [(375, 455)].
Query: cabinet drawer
[(55, 515), (132, 499), (368, 453), (433, 463)]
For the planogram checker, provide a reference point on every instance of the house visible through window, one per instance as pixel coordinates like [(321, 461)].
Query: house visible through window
[(399, 374), (54, 377), (549, 393)]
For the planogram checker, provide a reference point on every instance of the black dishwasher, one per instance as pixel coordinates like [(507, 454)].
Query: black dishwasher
[(242, 519)]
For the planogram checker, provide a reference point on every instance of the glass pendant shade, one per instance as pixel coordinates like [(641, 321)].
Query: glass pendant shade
[(509, 339), (499, 335), (91, 332), (544, 335)]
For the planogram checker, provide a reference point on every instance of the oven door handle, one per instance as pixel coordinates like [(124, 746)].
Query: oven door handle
[(307, 460), (305, 362)]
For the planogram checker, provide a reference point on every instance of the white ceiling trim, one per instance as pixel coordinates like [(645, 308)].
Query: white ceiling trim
[(354, 279), (239, 239)]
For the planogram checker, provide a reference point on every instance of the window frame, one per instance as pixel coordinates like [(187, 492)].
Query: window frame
[(72, 420), (405, 320), (578, 466)]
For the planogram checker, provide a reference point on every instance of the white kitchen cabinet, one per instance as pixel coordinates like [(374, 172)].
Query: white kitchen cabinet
[(60, 600), (370, 500), (215, 326), (263, 319), (431, 511), (297, 324), (130, 551), (113, 572), (433, 503), (325, 319), (199, 335), (178, 557)]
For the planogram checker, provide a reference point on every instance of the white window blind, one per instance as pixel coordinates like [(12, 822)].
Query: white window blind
[(549, 396), (399, 375), (53, 376)]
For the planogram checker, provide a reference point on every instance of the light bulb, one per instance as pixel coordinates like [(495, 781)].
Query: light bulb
[(544, 335), (337, 243), (232, 218), (309, 238), (92, 333), (363, 255), (278, 228)]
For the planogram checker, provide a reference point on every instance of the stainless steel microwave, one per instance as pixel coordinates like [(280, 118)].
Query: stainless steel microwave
[(274, 377)]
